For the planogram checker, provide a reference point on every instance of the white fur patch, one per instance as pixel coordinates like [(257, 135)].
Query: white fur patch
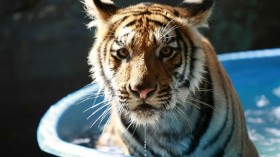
[(198, 69), (115, 46), (193, 1), (125, 35), (163, 34), (144, 119)]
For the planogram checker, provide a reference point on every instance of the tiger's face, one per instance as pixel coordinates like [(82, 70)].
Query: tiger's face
[(146, 63)]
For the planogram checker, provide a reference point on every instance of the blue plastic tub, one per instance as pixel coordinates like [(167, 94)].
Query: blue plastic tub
[(65, 129)]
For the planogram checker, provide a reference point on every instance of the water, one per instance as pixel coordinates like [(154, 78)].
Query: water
[(145, 141), (257, 82), (87, 139)]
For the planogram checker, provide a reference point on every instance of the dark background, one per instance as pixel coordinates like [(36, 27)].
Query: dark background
[(44, 46)]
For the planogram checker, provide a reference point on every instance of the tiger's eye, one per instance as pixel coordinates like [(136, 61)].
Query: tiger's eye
[(166, 52), (122, 53)]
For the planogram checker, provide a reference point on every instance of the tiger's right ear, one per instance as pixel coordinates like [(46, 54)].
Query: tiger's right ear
[(99, 10), (196, 12)]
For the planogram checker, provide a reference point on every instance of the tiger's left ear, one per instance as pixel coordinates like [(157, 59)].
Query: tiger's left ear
[(195, 12), (100, 10)]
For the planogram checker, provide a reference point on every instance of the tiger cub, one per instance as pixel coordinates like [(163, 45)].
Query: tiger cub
[(163, 82)]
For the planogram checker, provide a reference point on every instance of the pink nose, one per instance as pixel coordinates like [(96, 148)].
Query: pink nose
[(142, 91)]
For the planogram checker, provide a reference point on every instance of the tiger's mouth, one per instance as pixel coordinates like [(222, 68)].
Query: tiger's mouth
[(144, 107), (145, 110), (145, 114)]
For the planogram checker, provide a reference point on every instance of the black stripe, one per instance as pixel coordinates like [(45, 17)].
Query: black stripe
[(170, 152), (176, 13), (185, 54), (205, 117), (170, 137), (178, 65), (106, 46), (219, 132), (159, 23), (192, 60), (102, 74), (173, 57), (130, 23), (132, 149), (164, 90), (221, 150), (172, 39), (160, 9), (164, 101), (126, 124), (232, 125), (99, 59), (137, 138), (146, 12), (154, 154), (186, 83), (219, 153), (118, 22), (156, 22), (133, 133), (124, 97)]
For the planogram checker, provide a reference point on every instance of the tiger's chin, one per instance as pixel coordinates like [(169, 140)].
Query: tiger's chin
[(145, 114)]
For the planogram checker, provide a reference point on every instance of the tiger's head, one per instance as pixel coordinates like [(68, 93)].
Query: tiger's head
[(148, 57)]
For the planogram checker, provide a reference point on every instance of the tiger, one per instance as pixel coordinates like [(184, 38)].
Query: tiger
[(168, 95)]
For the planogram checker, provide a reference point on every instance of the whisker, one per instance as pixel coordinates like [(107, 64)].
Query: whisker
[(93, 96), (120, 109), (134, 129), (184, 102), (95, 105), (104, 114), (203, 79), (171, 36), (185, 117), (200, 102), (98, 117), (188, 102), (100, 108), (194, 105), (98, 93), (175, 117), (105, 125), (130, 123), (202, 90), (168, 24), (163, 30), (171, 29)]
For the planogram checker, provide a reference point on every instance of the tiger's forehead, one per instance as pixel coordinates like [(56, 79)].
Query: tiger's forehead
[(144, 25), (146, 33), (150, 9)]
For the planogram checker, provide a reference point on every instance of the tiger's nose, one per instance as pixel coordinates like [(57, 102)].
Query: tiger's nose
[(143, 91)]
